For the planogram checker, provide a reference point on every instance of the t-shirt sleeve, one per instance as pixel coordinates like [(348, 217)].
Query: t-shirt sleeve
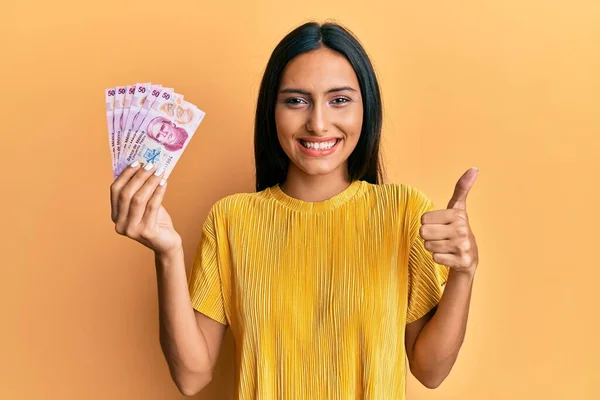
[(205, 281), (426, 278)]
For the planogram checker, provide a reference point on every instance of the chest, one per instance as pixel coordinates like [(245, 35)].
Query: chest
[(303, 272)]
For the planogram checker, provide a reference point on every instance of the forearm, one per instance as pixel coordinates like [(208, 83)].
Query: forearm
[(437, 346), (181, 340)]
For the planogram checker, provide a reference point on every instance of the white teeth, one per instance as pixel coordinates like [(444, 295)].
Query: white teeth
[(319, 145)]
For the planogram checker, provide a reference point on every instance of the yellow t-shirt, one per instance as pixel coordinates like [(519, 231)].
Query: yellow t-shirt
[(317, 295)]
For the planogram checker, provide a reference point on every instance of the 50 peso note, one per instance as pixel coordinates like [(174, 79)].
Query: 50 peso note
[(109, 96), (150, 124), (165, 132)]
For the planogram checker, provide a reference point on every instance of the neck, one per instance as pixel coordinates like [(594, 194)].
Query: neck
[(315, 188)]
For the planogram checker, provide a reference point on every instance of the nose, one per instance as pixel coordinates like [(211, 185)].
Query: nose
[(317, 120)]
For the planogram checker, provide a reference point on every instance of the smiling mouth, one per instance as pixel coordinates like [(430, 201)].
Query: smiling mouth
[(319, 146)]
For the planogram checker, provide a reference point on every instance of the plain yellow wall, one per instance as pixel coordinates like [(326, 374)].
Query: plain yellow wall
[(508, 86)]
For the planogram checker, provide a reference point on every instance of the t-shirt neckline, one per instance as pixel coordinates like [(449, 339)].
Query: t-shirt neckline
[(318, 206)]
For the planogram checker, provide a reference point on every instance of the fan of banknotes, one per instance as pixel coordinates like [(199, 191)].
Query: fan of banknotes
[(150, 124)]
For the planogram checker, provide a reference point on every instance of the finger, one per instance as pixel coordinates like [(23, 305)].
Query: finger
[(139, 201), (449, 260), (127, 193), (437, 231), (461, 189), (151, 215), (117, 186), (443, 216), (440, 246)]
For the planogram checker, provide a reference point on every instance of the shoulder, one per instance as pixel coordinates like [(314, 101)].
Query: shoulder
[(237, 204), (399, 194)]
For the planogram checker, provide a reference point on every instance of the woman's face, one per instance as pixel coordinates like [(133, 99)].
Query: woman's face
[(319, 112)]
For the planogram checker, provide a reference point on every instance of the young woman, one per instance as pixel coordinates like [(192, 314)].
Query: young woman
[(331, 282)]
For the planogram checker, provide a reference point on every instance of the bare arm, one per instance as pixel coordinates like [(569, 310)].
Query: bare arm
[(433, 341), (190, 340)]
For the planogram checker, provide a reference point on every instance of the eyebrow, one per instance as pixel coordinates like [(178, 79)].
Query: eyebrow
[(304, 92)]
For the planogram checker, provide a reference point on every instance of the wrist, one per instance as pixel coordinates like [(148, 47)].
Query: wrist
[(168, 257), (467, 274)]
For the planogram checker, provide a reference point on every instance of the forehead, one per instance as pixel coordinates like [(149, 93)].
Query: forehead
[(319, 69)]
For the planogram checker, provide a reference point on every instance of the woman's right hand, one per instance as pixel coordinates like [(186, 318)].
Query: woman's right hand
[(136, 209)]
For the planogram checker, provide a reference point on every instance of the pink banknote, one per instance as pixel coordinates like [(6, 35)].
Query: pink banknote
[(118, 117), (109, 95), (166, 132), (148, 123), (156, 95), (126, 109), (156, 98), (142, 91)]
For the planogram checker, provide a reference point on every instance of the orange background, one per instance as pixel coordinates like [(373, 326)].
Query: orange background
[(508, 86)]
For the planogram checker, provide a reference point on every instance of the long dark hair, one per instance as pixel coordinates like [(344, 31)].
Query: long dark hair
[(270, 160)]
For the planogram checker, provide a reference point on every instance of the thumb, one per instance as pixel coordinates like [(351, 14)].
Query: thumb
[(461, 190)]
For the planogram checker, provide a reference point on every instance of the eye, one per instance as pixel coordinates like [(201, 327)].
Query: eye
[(295, 101), (341, 100)]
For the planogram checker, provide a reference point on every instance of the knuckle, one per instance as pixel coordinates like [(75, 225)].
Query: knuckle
[(137, 200), (465, 246), (124, 195), (460, 213), (462, 230), (467, 259), (131, 232), (119, 229), (146, 235), (115, 185)]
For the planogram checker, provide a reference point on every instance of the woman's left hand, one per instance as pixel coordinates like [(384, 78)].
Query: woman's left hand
[(447, 232)]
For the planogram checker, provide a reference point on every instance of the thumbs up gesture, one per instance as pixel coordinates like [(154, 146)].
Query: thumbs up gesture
[(447, 233)]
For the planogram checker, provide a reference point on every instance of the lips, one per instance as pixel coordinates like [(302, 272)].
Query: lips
[(319, 147)]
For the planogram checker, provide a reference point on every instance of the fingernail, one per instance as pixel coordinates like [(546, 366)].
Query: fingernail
[(148, 166), (159, 171), (162, 182), (134, 164)]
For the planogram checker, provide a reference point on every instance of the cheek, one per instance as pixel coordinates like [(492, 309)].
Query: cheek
[(288, 122), (350, 123)]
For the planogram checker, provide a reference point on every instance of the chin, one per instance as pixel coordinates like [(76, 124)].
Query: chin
[(318, 168)]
